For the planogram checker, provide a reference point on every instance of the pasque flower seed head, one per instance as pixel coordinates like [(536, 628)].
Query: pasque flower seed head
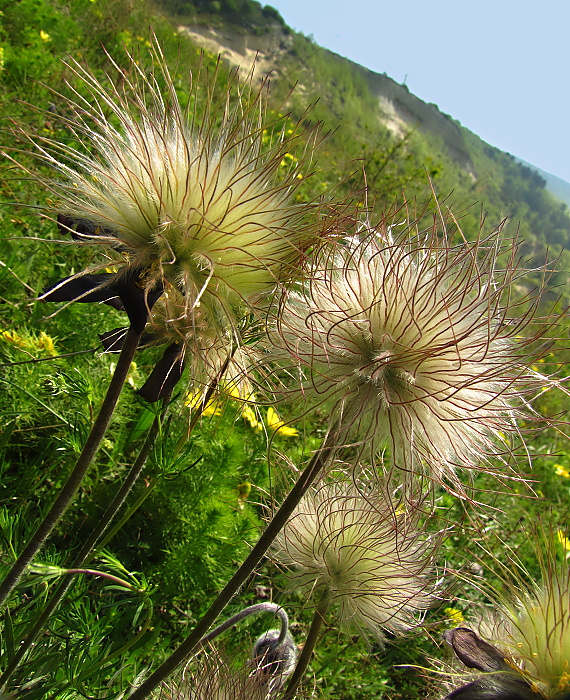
[(349, 542), (525, 649), (214, 678), (199, 197), (521, 649), (414, 340)]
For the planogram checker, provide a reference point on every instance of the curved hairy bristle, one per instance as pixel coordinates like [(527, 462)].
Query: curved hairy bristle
[(202, 196), (350, 542), (213, 677), (421, 344)]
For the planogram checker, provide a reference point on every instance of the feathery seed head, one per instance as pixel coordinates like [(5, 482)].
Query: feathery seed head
[(207, 345), (525, 636), (347, 541), (414, 341), (195, 194), (539, 633), (532, 629), (214, 677)]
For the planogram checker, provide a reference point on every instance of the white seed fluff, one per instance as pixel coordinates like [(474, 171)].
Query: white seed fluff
[(414, 342), (352, 545)]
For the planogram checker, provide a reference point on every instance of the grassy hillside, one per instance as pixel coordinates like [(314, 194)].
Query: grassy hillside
[(382, 130), (398, 161)]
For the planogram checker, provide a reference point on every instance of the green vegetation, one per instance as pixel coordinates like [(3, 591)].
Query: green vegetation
[(200, 502), (246, 14), (480, 180)]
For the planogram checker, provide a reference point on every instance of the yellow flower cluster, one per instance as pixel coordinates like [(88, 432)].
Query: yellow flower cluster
[(564, 541), (454, 615), (252, 416), (29, 343), (132, 375)]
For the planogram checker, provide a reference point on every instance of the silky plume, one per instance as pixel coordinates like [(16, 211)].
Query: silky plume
[(519, 646), (351, 544), (420, 346), (200, 196)]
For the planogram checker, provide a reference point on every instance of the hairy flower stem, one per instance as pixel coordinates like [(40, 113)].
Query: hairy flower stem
[(320, 458), (308, 647), (84, 460), (136, 470), (87, 552), (277, 611)]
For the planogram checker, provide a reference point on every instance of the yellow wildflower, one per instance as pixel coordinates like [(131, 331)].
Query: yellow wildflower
[(236, 393), (561, 471), (132, 374), (564, 541), (44, 36), (212, 408), (275, 423), (233, 392), (45, 342), (287, 159), (454, 615), (249, 415), (13, 338)]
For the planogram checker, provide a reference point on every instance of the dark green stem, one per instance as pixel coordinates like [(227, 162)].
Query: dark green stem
[(84, 460), (308, 647), (87, 551), (277, 611), (274, 527)]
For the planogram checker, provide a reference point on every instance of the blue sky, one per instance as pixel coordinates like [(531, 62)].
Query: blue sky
[(501, 68)]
